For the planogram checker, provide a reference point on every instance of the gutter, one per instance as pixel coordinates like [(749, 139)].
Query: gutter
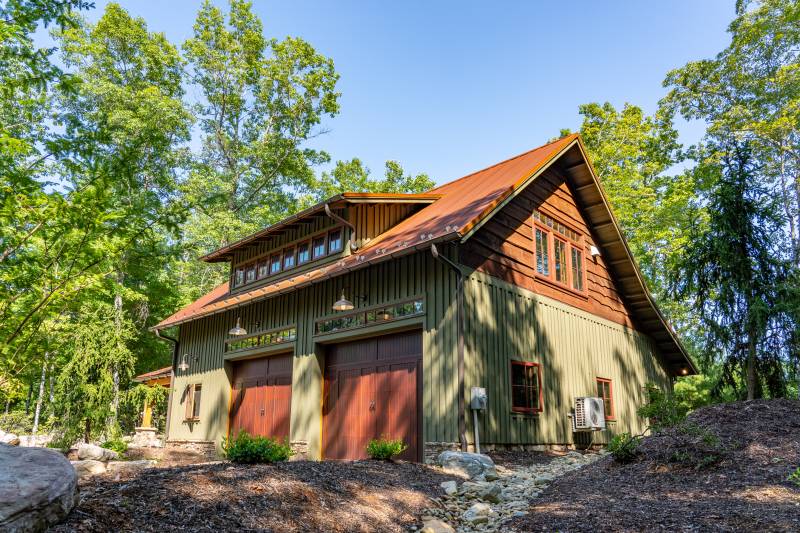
[(175, 344), (337, 218), (462, 416)]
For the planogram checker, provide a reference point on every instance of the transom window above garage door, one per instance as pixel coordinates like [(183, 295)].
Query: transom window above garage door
[(267, 338), (370, 317)]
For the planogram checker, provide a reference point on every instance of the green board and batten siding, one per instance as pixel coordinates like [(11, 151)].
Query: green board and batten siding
[(504, 322)]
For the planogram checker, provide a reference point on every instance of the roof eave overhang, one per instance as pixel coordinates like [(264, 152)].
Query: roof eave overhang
[(338, 272)]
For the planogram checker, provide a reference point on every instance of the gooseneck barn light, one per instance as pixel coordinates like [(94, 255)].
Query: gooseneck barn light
[(238, 330), (343, 304), (184, 366)]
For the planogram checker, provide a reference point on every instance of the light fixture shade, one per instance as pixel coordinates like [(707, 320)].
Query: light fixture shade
[(184, 366), (238, 330), (343, 304)]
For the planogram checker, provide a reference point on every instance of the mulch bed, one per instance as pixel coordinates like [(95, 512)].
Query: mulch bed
[(746, 491), (290, 496)]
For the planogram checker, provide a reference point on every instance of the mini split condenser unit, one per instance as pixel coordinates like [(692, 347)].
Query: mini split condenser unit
[(589, 415)]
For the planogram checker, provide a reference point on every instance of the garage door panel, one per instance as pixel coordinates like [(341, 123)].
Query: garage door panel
[(367, 395), (262, 397)]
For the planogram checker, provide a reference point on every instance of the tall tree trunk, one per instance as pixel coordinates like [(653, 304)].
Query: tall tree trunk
[(8, 402), (40, 398), (28, 401), (751, 369), (112, 423)]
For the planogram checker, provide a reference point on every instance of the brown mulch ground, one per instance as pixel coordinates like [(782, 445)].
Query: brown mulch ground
[(291, 496), (747, 491)]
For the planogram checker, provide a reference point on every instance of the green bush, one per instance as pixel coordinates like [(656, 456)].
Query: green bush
[(117, 445), (244, 448), (624, 447), (663, 410), (384, 449), (795, 477)]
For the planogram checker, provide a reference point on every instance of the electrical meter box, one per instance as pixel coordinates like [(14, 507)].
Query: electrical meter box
[(478, 398)]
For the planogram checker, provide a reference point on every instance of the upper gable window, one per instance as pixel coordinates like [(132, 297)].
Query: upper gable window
[(335, 241), (559, 253), (318, 247), (288, 258), (303, 253)]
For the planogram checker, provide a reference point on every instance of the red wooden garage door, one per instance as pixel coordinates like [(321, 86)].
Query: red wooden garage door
[(372, 390), (262, 396)]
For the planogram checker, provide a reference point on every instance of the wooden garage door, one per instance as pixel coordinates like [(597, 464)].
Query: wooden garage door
[(262, 396), (371, 390)]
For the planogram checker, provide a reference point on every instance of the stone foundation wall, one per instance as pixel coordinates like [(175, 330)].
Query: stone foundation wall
[(201, 450), (300, 449)]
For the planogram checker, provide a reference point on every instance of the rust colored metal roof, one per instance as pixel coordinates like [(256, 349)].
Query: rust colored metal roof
[(457, 207), (155, 374)]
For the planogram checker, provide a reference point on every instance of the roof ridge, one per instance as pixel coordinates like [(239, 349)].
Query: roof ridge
[(502, 162)]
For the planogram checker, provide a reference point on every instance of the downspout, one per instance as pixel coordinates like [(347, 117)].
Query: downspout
[(171, 380), (337, 218), (462, 416)]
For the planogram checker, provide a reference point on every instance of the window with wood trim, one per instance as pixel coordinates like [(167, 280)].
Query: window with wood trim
[(526, 387), (250, 273), (193, 395), (605, 391), (275, 264), (318, 247), (288, 258), (559, 253), (263, 269), (303, 253), (335, 241), (238, 277)]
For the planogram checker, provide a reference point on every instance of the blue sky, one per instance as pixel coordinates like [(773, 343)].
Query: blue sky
[(450, 87)]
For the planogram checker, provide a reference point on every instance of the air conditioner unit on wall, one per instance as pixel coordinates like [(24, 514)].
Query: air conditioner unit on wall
[(589, 415)]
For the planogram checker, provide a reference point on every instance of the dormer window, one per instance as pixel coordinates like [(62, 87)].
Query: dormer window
[(303, 255), (275, 264), (318, 247), (288, 258), (335, 241)]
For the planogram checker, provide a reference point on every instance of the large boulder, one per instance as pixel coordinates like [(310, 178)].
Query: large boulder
[(8, 438), (88, 467), (38, 488), (96, 453), (128, 467), (472, 465)]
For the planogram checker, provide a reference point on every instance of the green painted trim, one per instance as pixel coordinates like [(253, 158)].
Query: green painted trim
[(414, 322)]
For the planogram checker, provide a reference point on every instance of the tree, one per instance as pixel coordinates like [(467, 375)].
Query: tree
[(732, 275), (634, 156), (752, 90), (353, 176)]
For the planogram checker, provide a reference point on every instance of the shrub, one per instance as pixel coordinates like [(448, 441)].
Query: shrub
[(795, 477), (118, 445), (663, 410), (624, 447), (384, 449), (244, 448)]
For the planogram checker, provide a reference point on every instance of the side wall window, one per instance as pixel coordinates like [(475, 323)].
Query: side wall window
[(604, 391), (193, 396), (526, 387)]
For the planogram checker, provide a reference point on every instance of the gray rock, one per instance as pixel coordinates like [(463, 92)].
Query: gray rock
[(38, 488), (9, 438), (88, 467), (95, 452), (436, 526), (128, 467), (450, 487), (477, 514), (543, 479), (490, 492), (472, 465)]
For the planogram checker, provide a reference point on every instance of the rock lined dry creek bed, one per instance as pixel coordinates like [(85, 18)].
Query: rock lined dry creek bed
[(487, 505)]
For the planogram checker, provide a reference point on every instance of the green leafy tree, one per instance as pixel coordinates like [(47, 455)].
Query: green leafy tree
[(353, 176)]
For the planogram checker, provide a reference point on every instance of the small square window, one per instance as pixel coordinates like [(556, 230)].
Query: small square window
[(288, 258), (335, 241), (303, 255), (318, 247), (275, 264), (526, 387), (263, 269)]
